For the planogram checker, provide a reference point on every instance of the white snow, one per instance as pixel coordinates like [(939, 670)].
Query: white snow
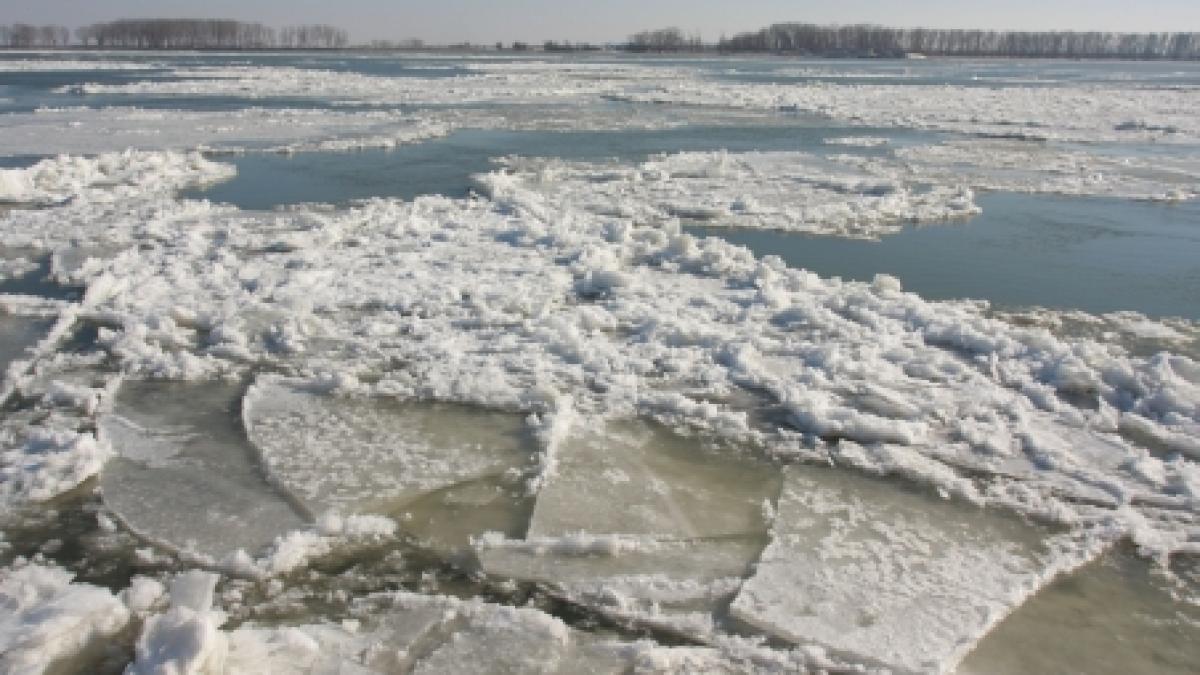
[(790, 191), (399, 452), (108, 177), (49, 624)]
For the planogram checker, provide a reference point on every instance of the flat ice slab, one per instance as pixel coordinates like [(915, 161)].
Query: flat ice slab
[(640, 479), (184, 475), (356, 455), (902, 579), (635, 511)]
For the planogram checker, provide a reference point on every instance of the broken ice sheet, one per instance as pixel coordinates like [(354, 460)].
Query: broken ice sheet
[(184, 476), (447, 520), (404, 632), (650, 516), (356, 455), (640, 478), (868, 569)]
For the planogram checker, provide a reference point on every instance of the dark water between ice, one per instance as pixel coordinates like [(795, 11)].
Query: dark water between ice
[(444, 166), (1097, 255)]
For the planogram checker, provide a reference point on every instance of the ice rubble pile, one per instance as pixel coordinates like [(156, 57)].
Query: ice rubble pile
[(791, 191), (1088, 114), (108, 177), (48, 622), (73, 626)]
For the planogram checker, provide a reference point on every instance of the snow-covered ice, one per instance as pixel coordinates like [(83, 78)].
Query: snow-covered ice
[(790, 191), (900, 579), (48, 624), (399, 452)]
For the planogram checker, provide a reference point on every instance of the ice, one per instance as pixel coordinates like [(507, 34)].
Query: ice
[(108, 176), (48, 624), (57, 64), (638, 520), (184, 475), (1087, 114), (355, 455), (405, 632), (187, 637), (448, 519), (891, 576), (640, 479), (400, 632), (541, 83), (1016, 166), (99, 130), (791, 191), (394, 332)]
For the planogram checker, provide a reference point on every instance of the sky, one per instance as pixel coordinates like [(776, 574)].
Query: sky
[(489, 21)]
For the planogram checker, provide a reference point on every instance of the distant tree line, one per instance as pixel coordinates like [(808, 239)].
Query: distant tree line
[(25, 35), (177, 34), (314, 35), (664, 40), (869, 40)]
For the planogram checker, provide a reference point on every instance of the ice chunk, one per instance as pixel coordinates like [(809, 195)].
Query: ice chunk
[(187, 637), (868, 569), (425, 634), (48, 624), (129, 173), (640, 479), (641, 522), (185, 477), (374, 455)]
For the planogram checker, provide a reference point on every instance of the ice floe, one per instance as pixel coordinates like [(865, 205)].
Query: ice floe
[(1069, 113), (641, 523), (184, 475), (893, 577), (400, 452), (789, 191), (100, 130), (1024, 167)]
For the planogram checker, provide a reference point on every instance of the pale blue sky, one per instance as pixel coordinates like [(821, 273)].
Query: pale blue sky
[(599, 21)]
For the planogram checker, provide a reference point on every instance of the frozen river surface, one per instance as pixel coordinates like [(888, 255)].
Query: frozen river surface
[(342, 362)]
